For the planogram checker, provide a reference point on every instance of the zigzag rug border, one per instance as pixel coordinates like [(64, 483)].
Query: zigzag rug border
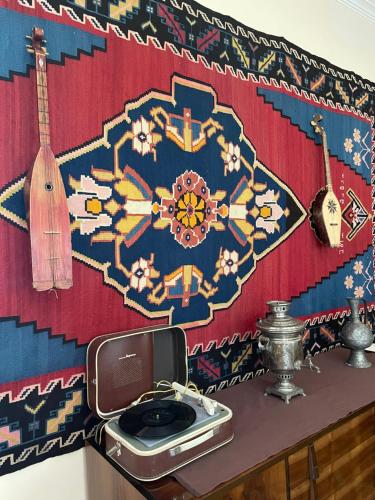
[(23, 393), (331, 316), (46, 447), (253, 374), (337, 106), (247, 33), (324, 317), (215, 344), (276, 42)]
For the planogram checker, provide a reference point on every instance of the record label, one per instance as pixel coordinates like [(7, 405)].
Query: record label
[(156, 419)]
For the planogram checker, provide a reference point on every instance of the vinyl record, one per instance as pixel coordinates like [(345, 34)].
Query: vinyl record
[(156, 419)]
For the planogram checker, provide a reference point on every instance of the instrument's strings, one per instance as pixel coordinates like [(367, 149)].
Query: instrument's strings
[(43, 119), (326, 160)]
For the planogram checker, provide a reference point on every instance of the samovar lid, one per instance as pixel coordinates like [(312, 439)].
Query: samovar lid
[(277, 321)]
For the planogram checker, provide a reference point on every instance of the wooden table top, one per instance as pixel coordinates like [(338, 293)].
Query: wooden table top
[(354, 393)]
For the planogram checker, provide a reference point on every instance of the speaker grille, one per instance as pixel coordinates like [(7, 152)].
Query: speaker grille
[(127, 371)]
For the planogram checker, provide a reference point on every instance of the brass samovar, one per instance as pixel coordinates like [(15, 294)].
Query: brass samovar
[(282, 352)]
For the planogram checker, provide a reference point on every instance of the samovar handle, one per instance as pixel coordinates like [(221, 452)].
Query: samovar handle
[(266, 340)]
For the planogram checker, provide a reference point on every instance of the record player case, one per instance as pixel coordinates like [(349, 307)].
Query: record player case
[(121, 367)]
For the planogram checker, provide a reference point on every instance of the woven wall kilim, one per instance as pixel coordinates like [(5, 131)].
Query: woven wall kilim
[(189, 162)]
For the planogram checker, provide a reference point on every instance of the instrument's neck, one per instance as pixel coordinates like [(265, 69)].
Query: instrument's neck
[(326, 162), (41, 81)]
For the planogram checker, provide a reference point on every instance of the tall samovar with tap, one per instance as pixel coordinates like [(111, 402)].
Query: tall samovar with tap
[(281, 346)]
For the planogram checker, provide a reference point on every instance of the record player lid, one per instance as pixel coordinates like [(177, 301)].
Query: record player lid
[(123, 366)]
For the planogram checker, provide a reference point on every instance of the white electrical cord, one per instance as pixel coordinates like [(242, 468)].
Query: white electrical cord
[(189, 389), (208, 404), (169, 385)]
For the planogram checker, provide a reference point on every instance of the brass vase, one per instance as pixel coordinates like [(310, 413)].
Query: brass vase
[(357, 336)]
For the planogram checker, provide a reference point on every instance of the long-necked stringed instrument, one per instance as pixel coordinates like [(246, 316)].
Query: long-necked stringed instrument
[(325, 210), (46, 204)]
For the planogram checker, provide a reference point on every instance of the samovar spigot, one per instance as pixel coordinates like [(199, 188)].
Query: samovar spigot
[(280, 343)]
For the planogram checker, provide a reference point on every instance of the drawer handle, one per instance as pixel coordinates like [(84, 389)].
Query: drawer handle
[(313, 471)]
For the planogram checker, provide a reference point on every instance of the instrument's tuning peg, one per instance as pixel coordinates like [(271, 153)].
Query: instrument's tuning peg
[(44, 40), (29, 37), (315, 123), (29, 49)]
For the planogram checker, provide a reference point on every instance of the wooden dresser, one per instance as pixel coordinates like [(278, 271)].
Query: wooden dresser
[(338, 463)]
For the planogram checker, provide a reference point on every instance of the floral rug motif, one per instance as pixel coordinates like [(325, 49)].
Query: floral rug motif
[(173, 206), (185, 143)]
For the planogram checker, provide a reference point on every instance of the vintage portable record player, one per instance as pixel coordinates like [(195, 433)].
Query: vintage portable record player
[(149, 433)]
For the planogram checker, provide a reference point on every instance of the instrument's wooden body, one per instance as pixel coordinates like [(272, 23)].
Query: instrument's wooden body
[(45, 199), (325, 210), (325, 223), (49, 224)]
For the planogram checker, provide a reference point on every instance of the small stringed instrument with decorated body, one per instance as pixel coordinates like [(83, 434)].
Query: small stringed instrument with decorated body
[(325, 210), (45, 199)]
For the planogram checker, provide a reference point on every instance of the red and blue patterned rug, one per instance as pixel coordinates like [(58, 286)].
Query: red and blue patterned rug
[(189, 162)]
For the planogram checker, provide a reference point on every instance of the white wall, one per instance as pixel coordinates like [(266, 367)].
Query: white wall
[(324, 27), (58, 478)]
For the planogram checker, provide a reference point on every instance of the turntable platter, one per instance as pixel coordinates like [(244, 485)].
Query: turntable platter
[(156, 419)]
